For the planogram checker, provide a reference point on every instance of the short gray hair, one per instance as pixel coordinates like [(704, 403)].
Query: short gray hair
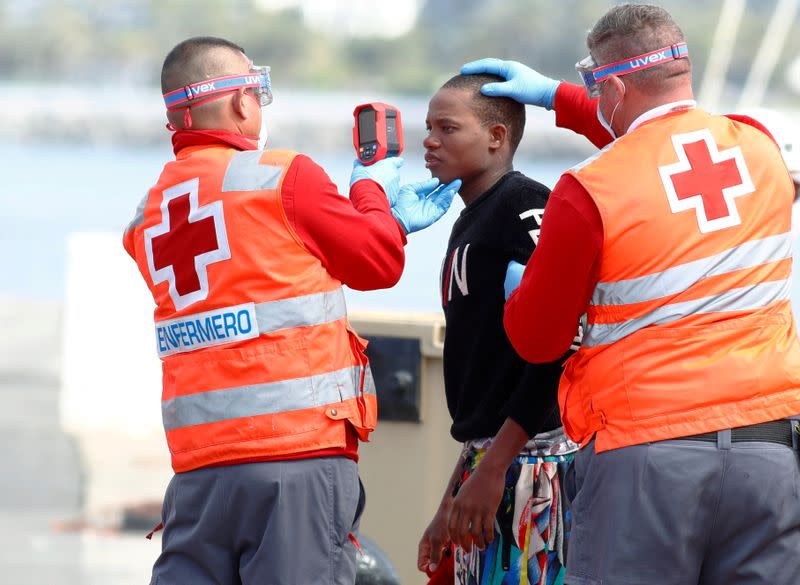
[(629, 30)]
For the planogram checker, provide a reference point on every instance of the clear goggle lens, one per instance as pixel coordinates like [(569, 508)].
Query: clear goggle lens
[(264, 89), (585, 68)]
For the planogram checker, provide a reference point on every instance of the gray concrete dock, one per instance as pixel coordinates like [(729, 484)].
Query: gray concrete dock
[(41, 485)]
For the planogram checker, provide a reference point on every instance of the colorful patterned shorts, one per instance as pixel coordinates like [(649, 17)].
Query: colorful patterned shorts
[(531, 526)]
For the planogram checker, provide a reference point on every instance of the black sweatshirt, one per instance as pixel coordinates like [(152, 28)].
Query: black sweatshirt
[(485, 380)]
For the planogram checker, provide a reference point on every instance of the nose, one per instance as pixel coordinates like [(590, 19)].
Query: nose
[(430, 142)]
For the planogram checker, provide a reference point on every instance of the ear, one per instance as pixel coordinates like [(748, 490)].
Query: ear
[(616, 88), (175, 119), (498, 136), (239, 104)]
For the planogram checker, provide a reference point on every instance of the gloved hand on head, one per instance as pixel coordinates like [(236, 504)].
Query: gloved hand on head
[(421, 204), (385, 172), (522, 83), (514, 274)]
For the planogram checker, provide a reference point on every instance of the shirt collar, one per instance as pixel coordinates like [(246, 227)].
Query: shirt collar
[(184, 138), (661, 110)]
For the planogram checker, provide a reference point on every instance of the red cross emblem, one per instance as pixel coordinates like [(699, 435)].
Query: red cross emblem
[(707, 180), (187, 240)]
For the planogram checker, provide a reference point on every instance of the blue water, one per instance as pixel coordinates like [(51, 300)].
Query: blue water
[(52, 190)]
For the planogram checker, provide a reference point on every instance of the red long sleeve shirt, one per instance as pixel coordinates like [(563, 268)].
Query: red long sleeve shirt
[(357, 240), (563, 270)]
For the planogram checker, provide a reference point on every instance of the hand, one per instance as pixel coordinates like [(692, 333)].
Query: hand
[(473, 511), (433, 542), (523, 83), (419, 205), (513, 277), (385, 172)]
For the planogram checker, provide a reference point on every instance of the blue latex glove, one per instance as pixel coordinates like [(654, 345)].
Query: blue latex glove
[(513, 277), (385, 172), (419, 205), (523, 83)]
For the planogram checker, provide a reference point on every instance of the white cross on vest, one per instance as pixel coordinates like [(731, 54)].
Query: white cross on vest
[(188, 239), (707, 180)]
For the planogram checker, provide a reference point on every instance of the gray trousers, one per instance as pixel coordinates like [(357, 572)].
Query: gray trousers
[(684, 512), (276, 523)]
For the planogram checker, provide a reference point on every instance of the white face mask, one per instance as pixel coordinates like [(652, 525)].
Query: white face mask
[(607, 123), (263, 134)]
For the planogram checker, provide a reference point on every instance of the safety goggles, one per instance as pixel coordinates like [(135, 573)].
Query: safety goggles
[(594, 76), (210, 89)]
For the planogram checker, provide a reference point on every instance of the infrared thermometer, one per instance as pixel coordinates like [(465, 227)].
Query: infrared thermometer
[(377, 132)]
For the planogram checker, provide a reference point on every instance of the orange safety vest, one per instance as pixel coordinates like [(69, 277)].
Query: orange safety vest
[(689, 329), (258, 357)]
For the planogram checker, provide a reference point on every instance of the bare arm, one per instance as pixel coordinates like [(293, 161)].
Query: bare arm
[(436, 537), (473, 509)]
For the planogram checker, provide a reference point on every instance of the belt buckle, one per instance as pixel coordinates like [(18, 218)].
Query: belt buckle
[(795, 434)]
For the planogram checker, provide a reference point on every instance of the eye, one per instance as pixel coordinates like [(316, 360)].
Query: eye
[(448, 129)]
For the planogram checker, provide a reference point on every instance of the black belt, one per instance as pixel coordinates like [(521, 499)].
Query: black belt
[(776, 431)]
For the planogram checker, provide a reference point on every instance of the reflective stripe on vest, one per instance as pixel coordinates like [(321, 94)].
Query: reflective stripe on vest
[(138, 217), (259, 399), (245, 173), (747, 298), (303, 311), (680, 278), (221, 326)]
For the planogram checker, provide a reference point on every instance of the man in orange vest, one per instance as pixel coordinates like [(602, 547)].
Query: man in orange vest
[(266, 388), (675, 242)]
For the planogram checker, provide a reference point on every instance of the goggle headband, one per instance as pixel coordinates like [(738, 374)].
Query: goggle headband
[(651, 59), (188, 94)]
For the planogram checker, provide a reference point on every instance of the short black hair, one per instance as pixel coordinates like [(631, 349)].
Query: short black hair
[(492, 110), (191, 61)]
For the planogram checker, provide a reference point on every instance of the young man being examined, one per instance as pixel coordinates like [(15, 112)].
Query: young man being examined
[(508, 520)]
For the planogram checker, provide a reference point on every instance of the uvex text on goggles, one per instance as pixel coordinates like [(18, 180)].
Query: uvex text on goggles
[(594, 76), (211, 89)]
